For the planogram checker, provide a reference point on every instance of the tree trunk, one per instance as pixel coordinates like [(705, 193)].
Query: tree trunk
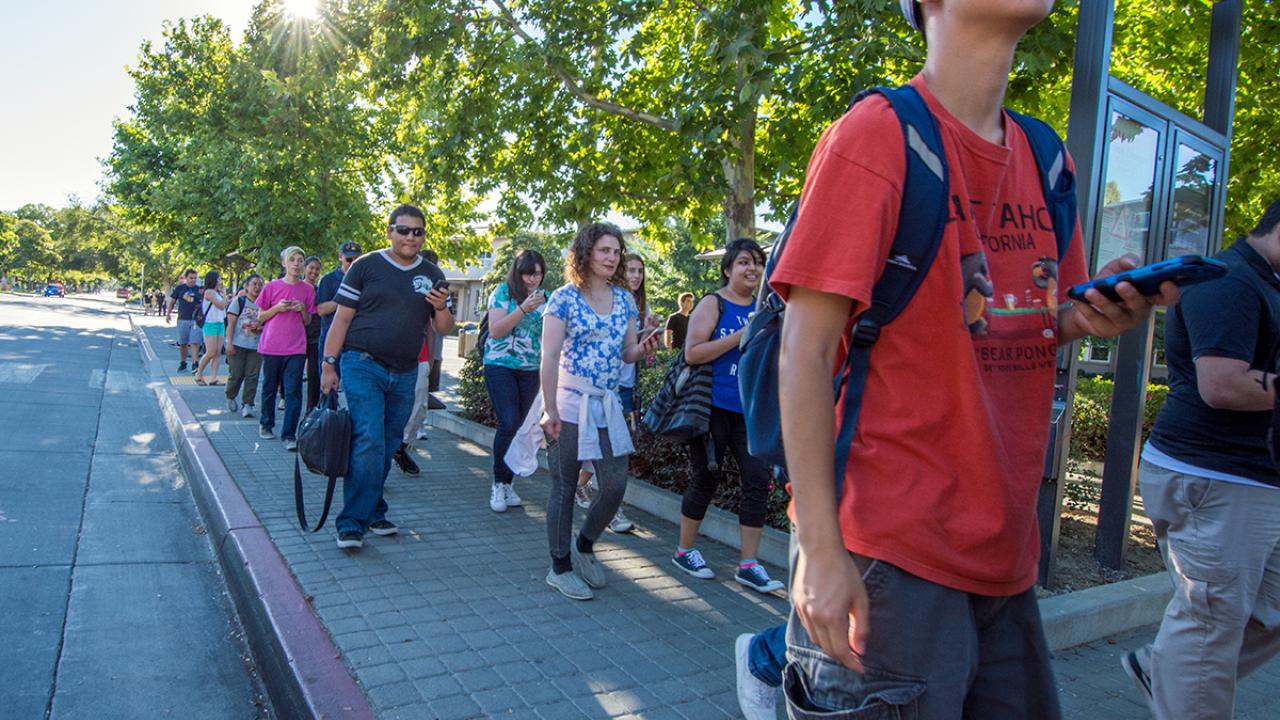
[(740, 175)]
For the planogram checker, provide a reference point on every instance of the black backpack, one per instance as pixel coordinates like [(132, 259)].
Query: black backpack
[(198, 313), (681, 408), (324, 445)]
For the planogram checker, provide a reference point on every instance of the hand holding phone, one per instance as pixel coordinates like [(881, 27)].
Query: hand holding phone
[(1147, 279)]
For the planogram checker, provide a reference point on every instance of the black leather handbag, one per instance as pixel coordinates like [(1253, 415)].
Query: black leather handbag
[(324, 446)]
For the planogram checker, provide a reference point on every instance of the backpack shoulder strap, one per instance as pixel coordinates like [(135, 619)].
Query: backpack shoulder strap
[(922, 218), (1056, 178)]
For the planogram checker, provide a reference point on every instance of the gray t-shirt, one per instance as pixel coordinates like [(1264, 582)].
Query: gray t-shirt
[(246, 312)]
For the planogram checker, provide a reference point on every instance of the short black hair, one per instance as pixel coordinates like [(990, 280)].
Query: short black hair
[(406, 209), (430, 256), (188, 271), (731, 253), (1270, 218)]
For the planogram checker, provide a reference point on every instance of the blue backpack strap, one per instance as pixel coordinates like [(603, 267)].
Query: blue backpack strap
[(1056, 178), (921, 220)]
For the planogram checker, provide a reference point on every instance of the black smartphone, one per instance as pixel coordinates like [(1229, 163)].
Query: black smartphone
[(441, 286), (1185, 270)]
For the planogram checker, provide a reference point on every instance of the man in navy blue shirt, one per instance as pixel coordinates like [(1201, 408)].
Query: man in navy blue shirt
[(1212, 488), (329, 284)]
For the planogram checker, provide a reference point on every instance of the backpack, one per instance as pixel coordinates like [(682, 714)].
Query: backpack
[(482, 335), (681, 408), (921, 221), (324, 444)]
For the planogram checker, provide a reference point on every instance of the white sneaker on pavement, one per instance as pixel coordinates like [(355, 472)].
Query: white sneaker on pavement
[(513, 500), (497, 498), (757, 700), (621, 523)]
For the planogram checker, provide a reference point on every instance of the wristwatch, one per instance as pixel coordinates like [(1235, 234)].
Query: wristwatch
[(330, 360)]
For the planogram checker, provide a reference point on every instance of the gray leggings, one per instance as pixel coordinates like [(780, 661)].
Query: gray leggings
[(611, 474)]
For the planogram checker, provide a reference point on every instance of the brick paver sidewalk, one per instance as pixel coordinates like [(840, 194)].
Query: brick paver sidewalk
[(452, 618)]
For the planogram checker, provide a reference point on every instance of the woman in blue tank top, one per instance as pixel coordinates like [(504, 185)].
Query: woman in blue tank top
[(715, 329)]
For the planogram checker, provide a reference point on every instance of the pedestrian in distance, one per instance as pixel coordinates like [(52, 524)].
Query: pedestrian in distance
[(677, 326), (214, 330), (936, 518), (1211, 486), (244, 329), (311, 268), (385, 303), (588, 333), (329, 284), (287, 304), (511, 357), (186, 298), (715, 330)]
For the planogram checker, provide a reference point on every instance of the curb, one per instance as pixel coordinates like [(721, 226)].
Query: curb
[(1069, 620), (301, 668)]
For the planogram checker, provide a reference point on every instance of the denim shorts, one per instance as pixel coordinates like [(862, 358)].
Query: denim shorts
[(628, 397), (189, 333)]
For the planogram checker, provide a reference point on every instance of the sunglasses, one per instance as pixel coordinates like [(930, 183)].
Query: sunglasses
[(406, 230)]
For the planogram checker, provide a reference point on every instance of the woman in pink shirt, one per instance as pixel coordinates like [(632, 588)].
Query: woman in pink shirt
[(287, 306)]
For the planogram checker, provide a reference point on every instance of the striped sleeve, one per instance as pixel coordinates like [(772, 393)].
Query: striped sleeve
[(352, 283)]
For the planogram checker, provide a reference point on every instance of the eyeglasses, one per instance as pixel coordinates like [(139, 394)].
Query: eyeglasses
[(406, 230)]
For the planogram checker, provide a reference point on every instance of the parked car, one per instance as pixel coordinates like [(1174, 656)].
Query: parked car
[(122, 293), (55, 289)]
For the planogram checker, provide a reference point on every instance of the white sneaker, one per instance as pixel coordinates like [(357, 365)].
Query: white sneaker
[(497, 498), (513, 500), (246, 411), (280, 405), (264, 433), (582, 496), (620, 523), (422, 433), (757, 700)]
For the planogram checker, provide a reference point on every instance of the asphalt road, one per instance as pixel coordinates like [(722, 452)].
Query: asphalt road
[(113, 606)]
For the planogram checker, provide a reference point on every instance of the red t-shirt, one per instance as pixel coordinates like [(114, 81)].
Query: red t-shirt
[(947, 460)]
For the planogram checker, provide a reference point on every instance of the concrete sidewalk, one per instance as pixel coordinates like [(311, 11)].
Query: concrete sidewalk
[(452, 619)]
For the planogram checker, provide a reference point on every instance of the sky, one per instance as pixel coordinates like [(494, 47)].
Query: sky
[(62, 64)]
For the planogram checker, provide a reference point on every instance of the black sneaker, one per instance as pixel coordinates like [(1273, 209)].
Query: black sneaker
[(350, 539), (404, 462), (182, 366), (383, 527)]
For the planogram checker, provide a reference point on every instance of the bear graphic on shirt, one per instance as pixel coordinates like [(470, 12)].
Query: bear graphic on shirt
[(422, 284)]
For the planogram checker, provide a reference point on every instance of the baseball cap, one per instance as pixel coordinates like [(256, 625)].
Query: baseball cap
[(911, 10), (349, 249)]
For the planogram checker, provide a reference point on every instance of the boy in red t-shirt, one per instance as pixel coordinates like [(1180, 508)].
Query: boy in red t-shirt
[(917, 589)]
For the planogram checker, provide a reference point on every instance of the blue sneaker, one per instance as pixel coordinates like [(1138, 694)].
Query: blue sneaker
[(692, 563), (757, 578)]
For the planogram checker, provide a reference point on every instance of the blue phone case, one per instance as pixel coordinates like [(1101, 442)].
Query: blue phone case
[(1185, 270)]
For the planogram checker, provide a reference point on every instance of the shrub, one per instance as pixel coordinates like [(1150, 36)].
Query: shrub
[(1091, 416), (473, 393)]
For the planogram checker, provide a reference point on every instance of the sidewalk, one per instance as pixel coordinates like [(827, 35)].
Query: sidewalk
[(452, 619)]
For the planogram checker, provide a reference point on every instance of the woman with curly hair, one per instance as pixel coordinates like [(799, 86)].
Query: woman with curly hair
[(588, 333)]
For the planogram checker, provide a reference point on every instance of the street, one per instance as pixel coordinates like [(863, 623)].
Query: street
[(113, 603)]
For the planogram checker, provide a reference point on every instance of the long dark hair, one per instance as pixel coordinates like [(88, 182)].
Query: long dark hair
[(731, 253), (527, 261), (211, 279), (641, 295)]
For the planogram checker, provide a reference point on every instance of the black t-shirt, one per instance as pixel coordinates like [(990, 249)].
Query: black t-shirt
[(679, 326), (391, 308), (1236, 317), (187, 299), (326, 292)]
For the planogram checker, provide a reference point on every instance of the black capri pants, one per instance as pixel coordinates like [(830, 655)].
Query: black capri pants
[(729, 431)]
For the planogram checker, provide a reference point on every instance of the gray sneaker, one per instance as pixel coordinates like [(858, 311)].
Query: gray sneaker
[(265, 433), (232, 405), (569, 585), (1136, 664), (246, 411), (588, 566)]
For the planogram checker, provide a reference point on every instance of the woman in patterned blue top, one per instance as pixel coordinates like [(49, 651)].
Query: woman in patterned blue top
[(588, 332), (512, 355)]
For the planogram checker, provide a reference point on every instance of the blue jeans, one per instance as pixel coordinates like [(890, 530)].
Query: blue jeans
[(767, 655), (280, 370), (511, 392), (379, 402)]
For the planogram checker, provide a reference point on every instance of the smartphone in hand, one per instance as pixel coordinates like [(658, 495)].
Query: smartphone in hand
[(1183, 271)]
